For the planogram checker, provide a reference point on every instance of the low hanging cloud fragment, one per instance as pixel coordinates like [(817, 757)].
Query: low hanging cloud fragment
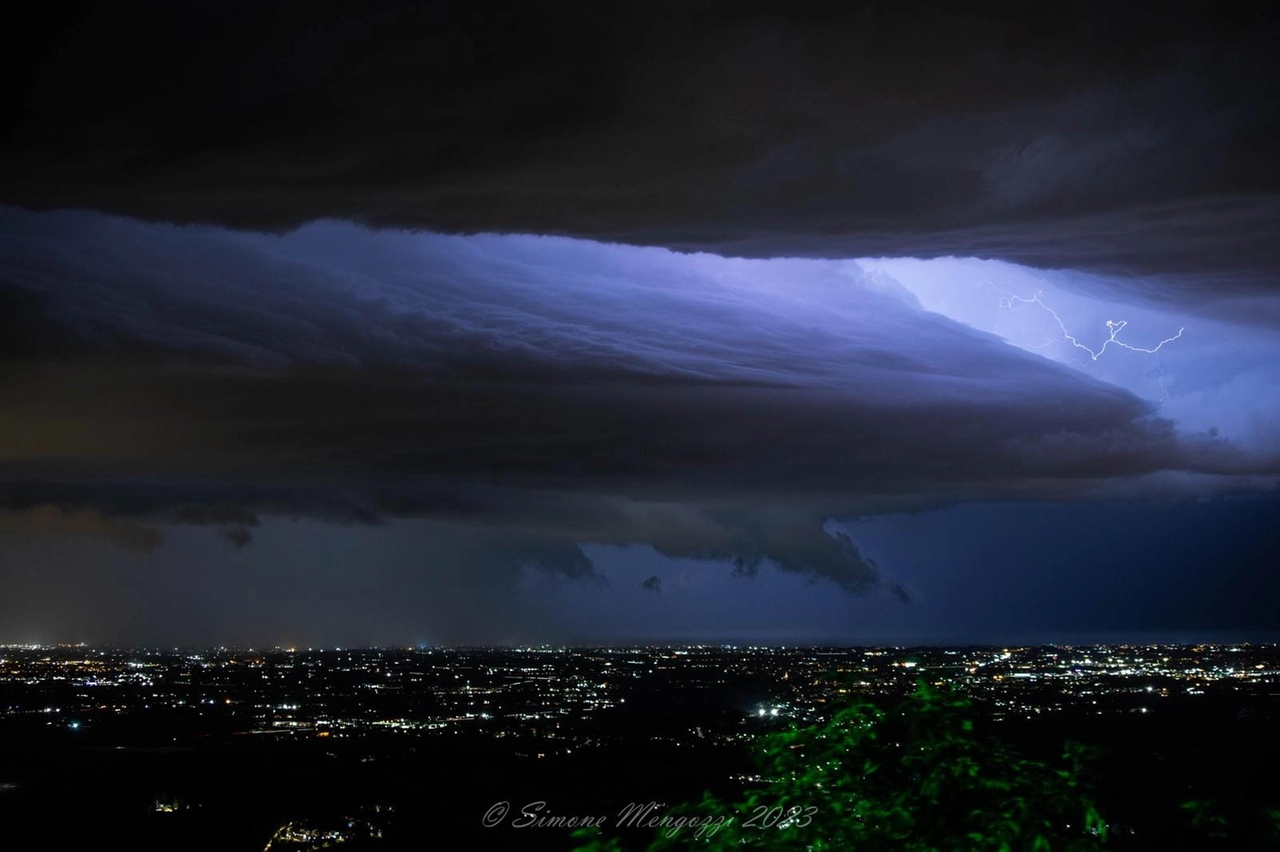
[(238, 536)]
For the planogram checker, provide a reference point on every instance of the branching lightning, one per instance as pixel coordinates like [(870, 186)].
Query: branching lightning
[(1114, 327)]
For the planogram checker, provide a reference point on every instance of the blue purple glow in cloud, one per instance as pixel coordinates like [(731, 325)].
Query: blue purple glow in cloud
[(488, 408)]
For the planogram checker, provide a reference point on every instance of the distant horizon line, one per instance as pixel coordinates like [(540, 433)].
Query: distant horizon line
[(636, 646)]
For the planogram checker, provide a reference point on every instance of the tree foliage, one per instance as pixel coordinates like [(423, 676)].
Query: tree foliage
[(915, 777)]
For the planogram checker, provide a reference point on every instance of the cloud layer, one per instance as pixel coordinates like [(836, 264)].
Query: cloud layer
[(555, 391), (1133, 141), (354, 404)]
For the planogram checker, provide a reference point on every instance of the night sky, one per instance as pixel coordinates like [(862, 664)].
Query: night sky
[(474, 322)]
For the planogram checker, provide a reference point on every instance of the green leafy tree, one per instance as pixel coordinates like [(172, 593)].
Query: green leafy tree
[(1219, 825), (914, 778)]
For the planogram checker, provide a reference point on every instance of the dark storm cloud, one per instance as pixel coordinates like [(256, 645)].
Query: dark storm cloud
[(81, 521), (313, 582), (538, 393), (238, 536), (536, 362), (1120, 138)]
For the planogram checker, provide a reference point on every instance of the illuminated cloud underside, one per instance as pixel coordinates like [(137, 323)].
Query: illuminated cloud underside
[(529, 397)]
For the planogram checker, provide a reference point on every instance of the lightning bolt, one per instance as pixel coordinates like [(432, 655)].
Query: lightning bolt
[(1114, 327)]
